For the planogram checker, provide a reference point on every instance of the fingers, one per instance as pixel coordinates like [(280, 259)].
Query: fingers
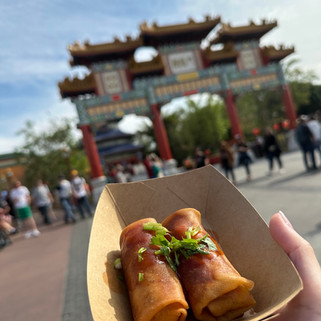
[(297, 248)]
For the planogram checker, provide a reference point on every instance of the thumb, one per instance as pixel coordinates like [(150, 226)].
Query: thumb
[(298, 249)]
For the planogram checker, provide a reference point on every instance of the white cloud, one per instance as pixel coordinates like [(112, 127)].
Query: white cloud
[(9, 144), (132, 123)]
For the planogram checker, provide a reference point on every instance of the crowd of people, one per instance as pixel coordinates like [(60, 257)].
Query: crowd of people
[(18, 205), (152, 166)]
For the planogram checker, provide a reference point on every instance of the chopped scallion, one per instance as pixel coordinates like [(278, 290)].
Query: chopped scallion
[(140, 252), (117, 264)]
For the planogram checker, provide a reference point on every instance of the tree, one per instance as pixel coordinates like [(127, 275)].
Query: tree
[(300, 82), (260, 109), (204, 125), (51, 152), (314, 103)]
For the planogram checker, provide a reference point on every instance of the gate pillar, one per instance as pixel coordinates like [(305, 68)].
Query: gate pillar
[(91, 151), (232, 113), (160, 134), (289, 106)]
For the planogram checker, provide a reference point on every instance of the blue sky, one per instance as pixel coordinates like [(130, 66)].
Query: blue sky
[(34, 36)]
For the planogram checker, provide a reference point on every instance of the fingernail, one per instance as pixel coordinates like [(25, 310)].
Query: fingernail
[(286, 220)]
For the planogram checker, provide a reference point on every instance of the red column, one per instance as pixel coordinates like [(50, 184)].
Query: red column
[(289, 106), (160, 134), (91, 151), (232, 113)]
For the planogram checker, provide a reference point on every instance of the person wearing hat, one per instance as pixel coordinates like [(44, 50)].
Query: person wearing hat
[(79, 191)]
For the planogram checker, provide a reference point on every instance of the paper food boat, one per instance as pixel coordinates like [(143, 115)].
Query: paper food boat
[(241, 231)]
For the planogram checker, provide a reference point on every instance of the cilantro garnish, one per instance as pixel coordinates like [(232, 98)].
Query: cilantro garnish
[(157, 227), (210, 244), (140, 252), (172, 248), (117, 264), (140, 277)]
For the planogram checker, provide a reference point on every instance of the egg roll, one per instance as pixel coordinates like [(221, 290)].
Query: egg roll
[(214, 289), (154, 289)]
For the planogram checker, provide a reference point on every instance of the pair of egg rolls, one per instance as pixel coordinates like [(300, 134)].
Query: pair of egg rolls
[(213, 288)]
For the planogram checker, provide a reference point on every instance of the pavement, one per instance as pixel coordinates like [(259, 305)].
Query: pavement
[(44, 278)]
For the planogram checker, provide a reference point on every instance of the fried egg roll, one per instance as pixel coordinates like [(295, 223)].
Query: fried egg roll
[(154, 289), (213, 288)]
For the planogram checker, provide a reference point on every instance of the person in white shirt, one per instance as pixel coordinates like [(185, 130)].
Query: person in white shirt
[(120, 175), (20, 197), (42, 198), (315, 128), (64, 193), (79, 191)]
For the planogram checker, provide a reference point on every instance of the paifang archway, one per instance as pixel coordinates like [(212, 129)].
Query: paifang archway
[(118, 85)]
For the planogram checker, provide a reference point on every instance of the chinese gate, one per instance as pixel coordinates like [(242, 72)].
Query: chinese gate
[(117, 85)]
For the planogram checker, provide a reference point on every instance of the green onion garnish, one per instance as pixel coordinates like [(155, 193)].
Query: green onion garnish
[(157, 227), (117, 264), (140, 252), (172, 248)]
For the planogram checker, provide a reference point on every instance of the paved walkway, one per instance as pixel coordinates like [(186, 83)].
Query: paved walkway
[(44, 278)]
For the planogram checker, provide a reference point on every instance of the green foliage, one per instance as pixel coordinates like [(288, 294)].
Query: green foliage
[(51, 152), (313, 103), (302, 88), (204, 126), (260, 109), (293, 73)]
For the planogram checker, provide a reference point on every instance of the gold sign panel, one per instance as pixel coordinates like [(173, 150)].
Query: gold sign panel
[(187, 86), (254, 81), (118, 109)]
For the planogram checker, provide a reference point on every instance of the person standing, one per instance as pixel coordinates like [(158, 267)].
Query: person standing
[(244, 158), (157, 166), (21, 199), (64, 194), (227, 160), (272, 150), (199, 157), (120, 176), (148, 166), (42, 198), (79, 191), (315, 128), (305, 139)]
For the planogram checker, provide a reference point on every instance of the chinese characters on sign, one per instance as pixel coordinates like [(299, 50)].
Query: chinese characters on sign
[(182, 62)]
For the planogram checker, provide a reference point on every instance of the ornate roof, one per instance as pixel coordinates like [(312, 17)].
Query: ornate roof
[(228, 33), (227, 54), (276, 54), (154, 66), (85, 54), (191, 31), (111, 135), (74, 87), (119, 149)]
